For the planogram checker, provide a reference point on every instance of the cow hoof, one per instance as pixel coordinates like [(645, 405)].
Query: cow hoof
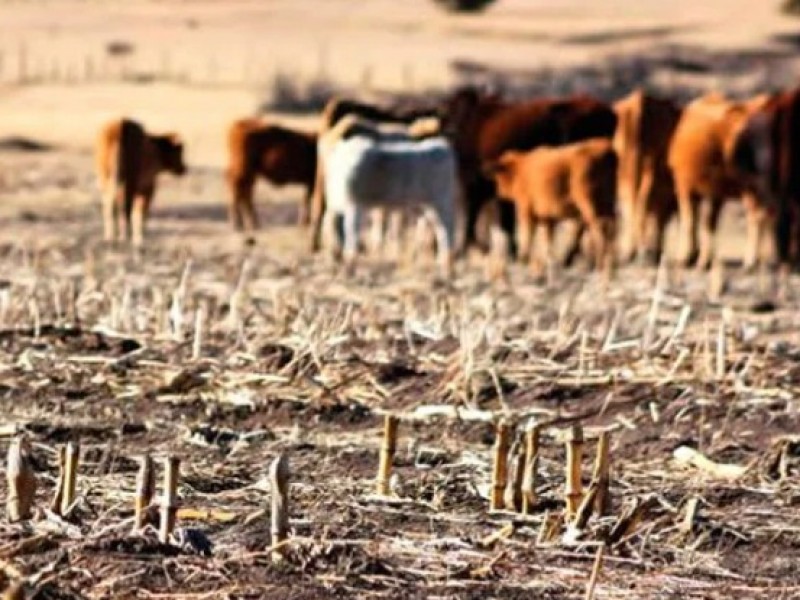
[(250, 240)]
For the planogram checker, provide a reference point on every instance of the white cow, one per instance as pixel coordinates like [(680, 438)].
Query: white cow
[(364, 173), (352, 125)]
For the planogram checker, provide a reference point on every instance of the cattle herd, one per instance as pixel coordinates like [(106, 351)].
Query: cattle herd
[(484, 171)]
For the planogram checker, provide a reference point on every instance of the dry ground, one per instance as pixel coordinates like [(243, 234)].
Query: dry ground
[(96, 345)]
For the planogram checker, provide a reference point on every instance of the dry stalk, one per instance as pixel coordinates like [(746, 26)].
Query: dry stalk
[(197, 343), (21, 481), (58, 497), (574, 488), (279, 487), (692, 510), (15, 591), (388, 449), (500, 471), (169, 506), (602, 500), (596, 567), (720, 371), (585, 509), (690, 456), (531, 467), (716, 281), (71, 462), (145, 489), (513, 492), (549, 528)]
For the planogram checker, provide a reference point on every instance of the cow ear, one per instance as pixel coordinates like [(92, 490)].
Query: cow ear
[(175, 138), (497, 166)]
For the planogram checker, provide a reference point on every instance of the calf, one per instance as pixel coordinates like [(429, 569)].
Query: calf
[(482, 127), (280, 155), (363, 173), (128, 161), (550, 184)]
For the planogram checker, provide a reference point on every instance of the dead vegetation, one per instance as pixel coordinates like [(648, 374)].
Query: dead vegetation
[(693, 496)]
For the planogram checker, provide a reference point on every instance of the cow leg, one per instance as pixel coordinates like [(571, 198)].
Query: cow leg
[(124, 214), (655, 249), (642, 211), (756, 223), (111, 201), (397, 218), (540, 268), (628, 240), (474, 206), (709, 220), (525, 223), (317, 207), (248, 212), (443, 217), (141, 206), (234, 194), (574, 247), (687, 209), (508, 222), (352, 226), (498, 247), (304, 212), (378, 230), (332, 226)]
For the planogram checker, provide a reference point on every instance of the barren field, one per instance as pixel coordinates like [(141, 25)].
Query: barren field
[(104, 346)]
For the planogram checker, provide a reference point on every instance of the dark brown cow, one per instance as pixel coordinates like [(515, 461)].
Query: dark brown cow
[(280, 155), (334, 110), (128, 161), (483, 127), (645, 125), (768, 151)]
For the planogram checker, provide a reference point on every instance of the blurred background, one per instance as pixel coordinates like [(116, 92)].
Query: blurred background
[(193, 65)]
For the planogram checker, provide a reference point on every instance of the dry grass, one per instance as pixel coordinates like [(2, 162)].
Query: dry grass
[(99, 346)]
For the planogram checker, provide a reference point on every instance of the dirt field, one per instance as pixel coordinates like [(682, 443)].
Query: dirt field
[(97, 343)]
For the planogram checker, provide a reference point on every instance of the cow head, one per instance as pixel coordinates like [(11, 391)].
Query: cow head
[(170, 153), (502, 172)]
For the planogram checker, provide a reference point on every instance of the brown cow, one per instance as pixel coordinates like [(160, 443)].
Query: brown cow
[(282, 156), (768, 151), (645, 125), (550, 184), (701, 159), (128, 162), (334, 111), (483, 127)]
